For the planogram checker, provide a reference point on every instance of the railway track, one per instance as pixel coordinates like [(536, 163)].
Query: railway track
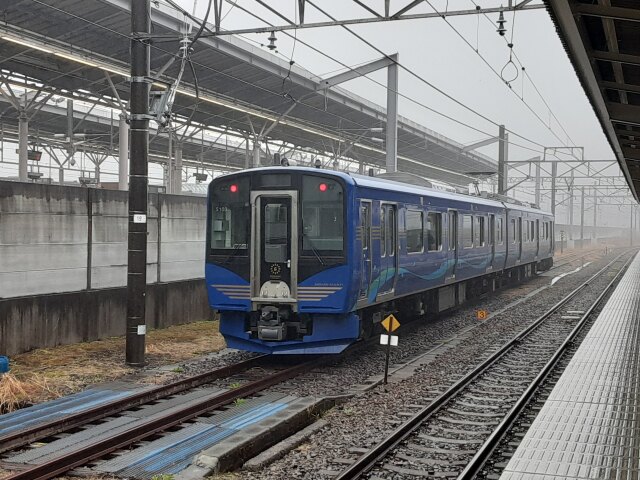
[(570, 258), (96, 450), (455, 434), (152, 426), (23, 437)]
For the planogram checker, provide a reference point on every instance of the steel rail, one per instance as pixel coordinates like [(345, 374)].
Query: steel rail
[(100, 448), (368, 460), (37, 432), (487, 448)]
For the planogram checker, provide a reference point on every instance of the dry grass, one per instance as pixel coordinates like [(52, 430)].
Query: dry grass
[(50, 372), (16, 393)]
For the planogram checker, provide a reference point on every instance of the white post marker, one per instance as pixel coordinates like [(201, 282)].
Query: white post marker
[(384, 340)]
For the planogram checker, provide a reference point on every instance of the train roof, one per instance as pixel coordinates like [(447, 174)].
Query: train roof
[(385, 184)]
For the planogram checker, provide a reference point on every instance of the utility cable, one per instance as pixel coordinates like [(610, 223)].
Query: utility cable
[(423, 80), (498, 74), (526, 74), (426, 107), (405, 68), (244, 81)]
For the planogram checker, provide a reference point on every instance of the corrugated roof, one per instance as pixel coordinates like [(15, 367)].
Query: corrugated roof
[(243, 83), (602, 40)]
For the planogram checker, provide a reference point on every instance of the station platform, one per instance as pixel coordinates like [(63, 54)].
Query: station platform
[(589, 427)]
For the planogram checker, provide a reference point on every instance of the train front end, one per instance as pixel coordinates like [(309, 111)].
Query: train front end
[(277, 265)]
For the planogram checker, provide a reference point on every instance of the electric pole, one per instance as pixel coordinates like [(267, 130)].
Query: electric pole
[(138, 182)]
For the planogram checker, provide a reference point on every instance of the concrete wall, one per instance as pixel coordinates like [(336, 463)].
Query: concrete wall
[(57, 239), (63, 263), (62, 318)]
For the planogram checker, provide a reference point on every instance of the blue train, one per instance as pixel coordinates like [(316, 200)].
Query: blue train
[(303, 260)]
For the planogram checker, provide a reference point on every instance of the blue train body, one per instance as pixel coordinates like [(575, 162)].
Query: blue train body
[(308, 261)]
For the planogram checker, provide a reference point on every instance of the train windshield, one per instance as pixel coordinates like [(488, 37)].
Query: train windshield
[(230, 216), (322, 216)]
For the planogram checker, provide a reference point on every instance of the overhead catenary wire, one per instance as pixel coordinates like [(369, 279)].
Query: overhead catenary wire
[(417, 102), (260, 87), (498, 74), (346, 66), (235, 4), (526, 74), (423, 80), (224, 73)]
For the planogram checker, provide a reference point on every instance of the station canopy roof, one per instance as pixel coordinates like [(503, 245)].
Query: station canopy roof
[(602, 39), (72, 46)]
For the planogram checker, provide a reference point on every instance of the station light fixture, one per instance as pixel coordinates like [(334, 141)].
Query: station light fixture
[(25, 44)]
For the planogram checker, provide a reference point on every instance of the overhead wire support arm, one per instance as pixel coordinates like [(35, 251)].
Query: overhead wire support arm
[(404, 10), (366, 7), (276, 12), (356, 21)]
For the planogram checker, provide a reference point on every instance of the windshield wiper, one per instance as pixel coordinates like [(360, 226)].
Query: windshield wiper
[(232, 254), (313, 247)]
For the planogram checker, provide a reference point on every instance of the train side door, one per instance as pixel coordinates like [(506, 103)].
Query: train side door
[(364, 233), (388, 249), (537, 234), (519, 238), (492, 239), (452, 238)]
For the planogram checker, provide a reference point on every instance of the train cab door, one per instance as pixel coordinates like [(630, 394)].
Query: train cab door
[(388, 250), (275, 251), (364, 234), (452, 239)]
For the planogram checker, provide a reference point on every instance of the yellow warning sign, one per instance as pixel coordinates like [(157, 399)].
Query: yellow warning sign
[(482, 314), (390, 323)]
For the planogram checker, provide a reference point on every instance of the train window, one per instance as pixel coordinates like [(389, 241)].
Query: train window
[(275, 232), (514, 234), (415, 231), (391, 230), (467, 231), (387, 230), (519, 239), (492, 229), (500, 232), (365, 225), (530, 233), (479, 232), (453, 230), (322, 215), (383, 232), (230, 215), (434, 231)]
